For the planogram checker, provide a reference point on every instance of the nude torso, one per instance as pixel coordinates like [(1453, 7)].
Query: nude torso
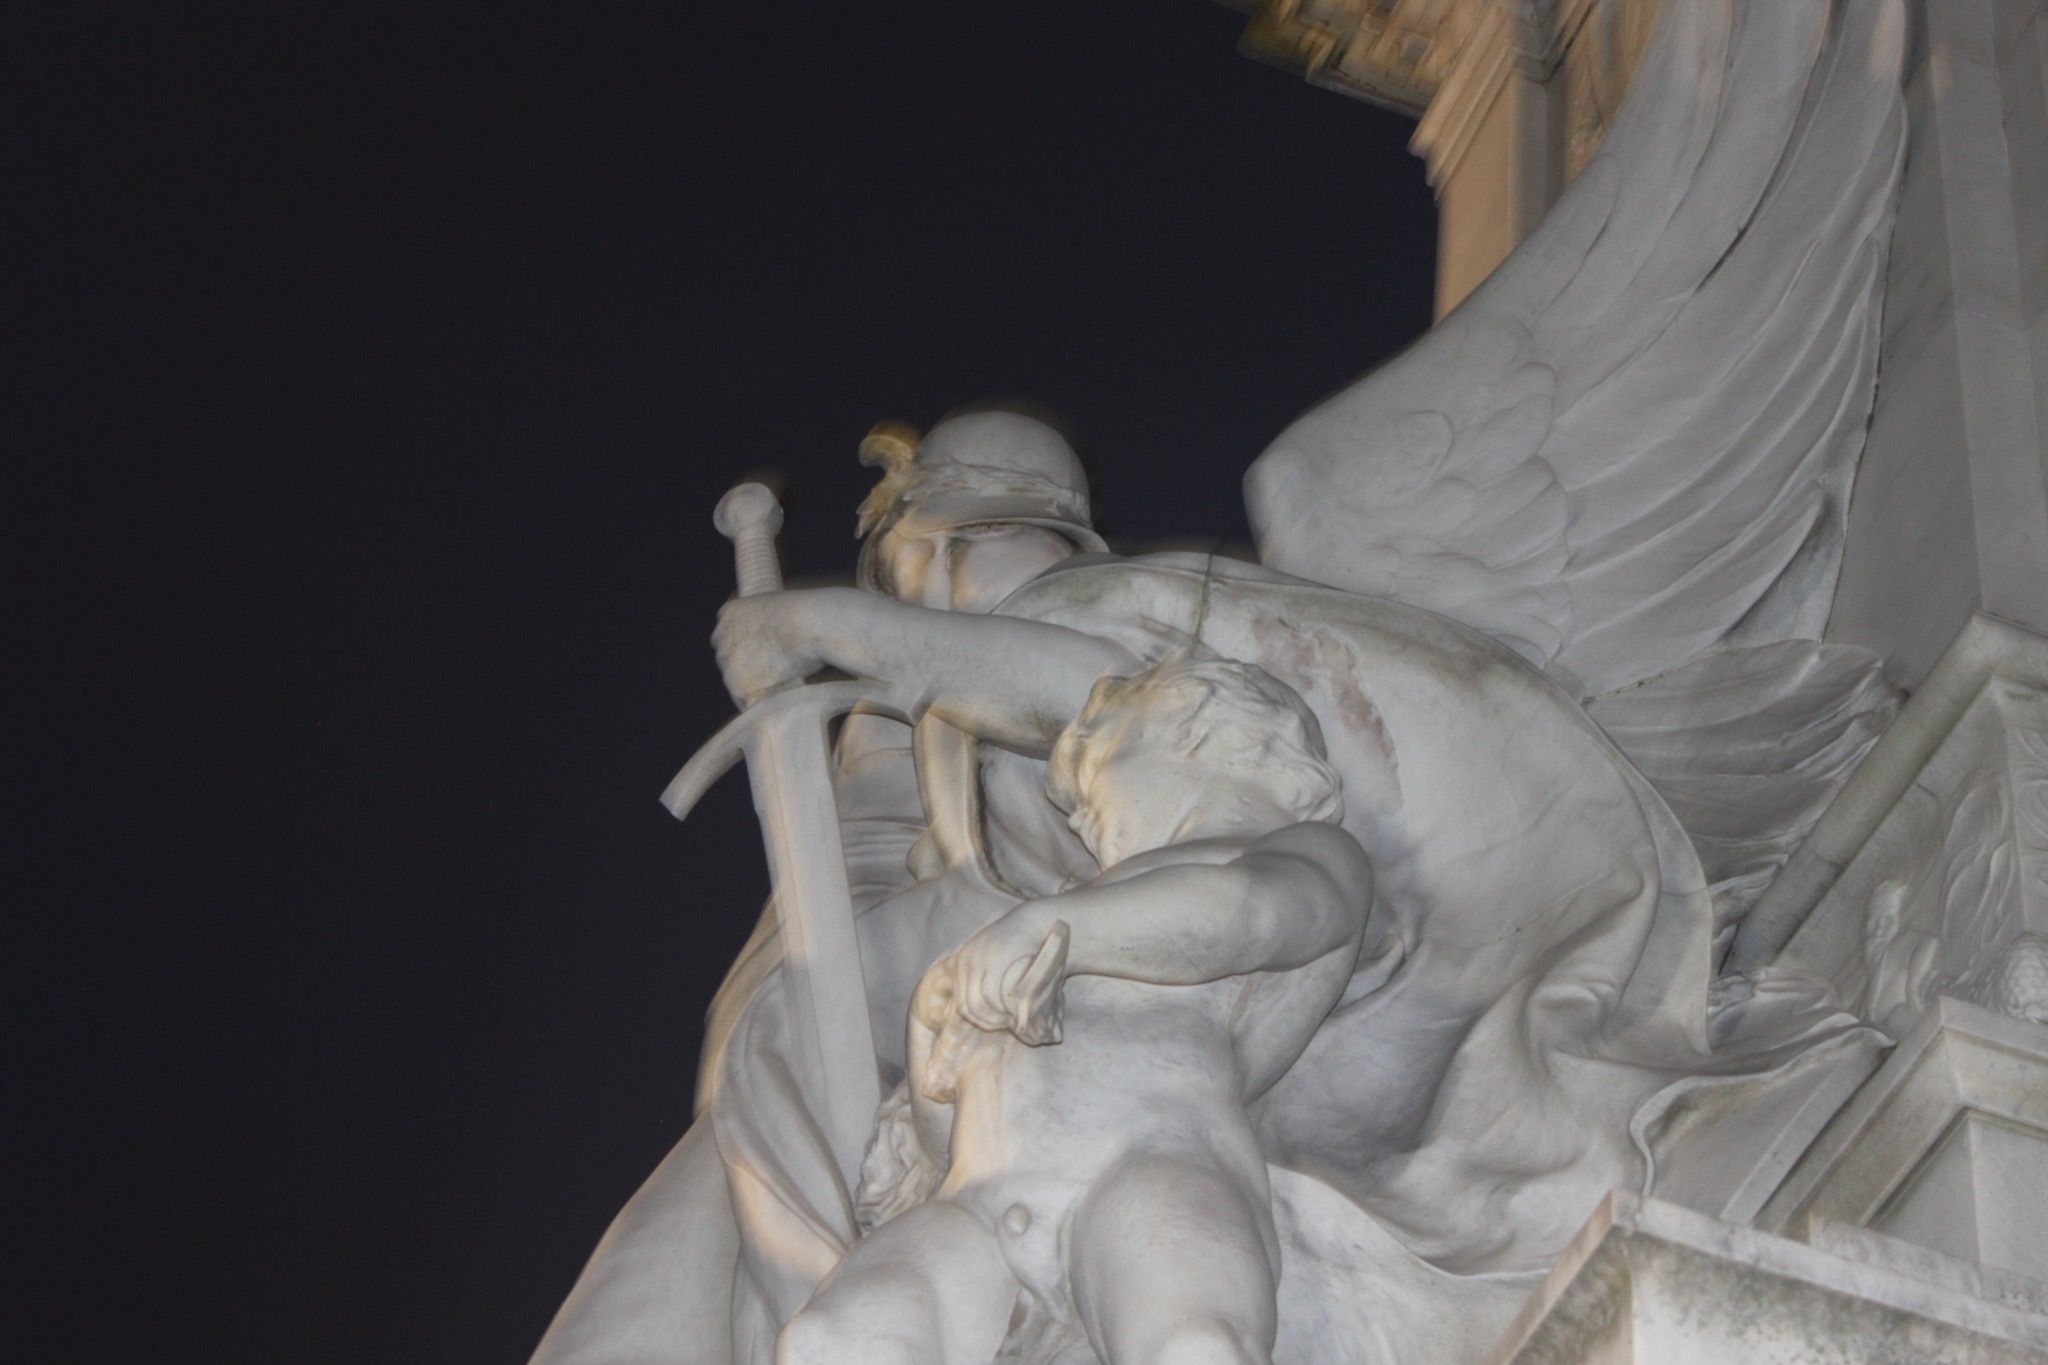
[(1144, 1071)]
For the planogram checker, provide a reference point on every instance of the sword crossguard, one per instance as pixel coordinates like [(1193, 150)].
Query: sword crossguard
[(817, 703), (749, 516)]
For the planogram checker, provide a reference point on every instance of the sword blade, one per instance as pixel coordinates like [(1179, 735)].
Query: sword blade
[(790, 766)]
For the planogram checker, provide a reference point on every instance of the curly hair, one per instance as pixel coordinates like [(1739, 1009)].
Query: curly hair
[(1235, 716)]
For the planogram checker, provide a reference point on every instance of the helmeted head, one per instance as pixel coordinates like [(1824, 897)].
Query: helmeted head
[(981, 477), (1188, 749)]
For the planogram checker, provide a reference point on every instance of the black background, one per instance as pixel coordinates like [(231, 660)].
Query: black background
[(374, 375)]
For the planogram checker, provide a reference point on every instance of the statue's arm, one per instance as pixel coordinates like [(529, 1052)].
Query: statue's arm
[(1013, 681), (1293, 898)]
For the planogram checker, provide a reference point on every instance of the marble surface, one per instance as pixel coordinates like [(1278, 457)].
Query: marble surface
[(1582, 460), (1077, 1112), (1276, 963), (1945, 1147), (1935, 841), (1650, 1283), (1933, 537), (2026, 1292), (1978, 1196)]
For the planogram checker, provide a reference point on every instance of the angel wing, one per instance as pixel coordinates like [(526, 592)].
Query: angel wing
[(1635, 442)]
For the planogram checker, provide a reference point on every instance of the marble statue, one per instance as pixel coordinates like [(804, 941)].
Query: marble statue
[(1192, 1060), (1087, 1123)]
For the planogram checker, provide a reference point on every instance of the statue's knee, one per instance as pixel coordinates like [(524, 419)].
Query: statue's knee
[(819, 1336), (1206, 1343), (810, 1338)]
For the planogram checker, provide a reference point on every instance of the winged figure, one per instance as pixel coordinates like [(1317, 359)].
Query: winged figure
[(1553, 584)]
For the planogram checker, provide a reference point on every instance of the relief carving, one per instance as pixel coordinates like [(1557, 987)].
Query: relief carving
[(1962, 914)]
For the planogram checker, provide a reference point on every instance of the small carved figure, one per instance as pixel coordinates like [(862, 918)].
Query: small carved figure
[(1102, 1175)]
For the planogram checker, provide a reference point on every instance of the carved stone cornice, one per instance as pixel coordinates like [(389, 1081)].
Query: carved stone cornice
[(1398, 53), (1392, 53), (1444, 61)]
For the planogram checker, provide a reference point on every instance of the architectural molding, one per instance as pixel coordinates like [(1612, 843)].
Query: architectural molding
[(1946, 1147), (1928, 875), (1651, 1282), (1512, 97)]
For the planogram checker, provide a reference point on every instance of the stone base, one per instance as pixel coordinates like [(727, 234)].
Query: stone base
[(1651, 1282), (1946, 1146)]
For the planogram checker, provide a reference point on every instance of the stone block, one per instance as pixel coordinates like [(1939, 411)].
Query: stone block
[(2024, 1292), (1933, 860), (1978, 1196), (1945, 1147), (1653, 1283)]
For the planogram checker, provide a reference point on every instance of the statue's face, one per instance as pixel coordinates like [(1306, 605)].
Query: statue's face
[(1138, 796), (970, 568), (1129, 806)]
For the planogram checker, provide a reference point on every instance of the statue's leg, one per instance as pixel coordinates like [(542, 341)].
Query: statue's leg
[(1173, 1264), (927, 1288)]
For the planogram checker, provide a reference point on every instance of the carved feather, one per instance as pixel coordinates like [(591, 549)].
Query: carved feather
[(1635, 441)]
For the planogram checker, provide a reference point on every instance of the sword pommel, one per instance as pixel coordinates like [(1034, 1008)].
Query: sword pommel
[(749, 516)]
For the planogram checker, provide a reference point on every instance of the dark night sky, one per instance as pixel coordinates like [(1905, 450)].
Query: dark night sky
[(378, 373)]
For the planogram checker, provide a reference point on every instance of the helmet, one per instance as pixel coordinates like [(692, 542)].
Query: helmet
[(977, 469)]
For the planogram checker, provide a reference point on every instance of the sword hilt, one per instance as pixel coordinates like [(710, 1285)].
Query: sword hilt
[(749, 516)]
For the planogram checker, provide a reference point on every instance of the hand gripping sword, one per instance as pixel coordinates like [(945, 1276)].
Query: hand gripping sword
[(782, 735)]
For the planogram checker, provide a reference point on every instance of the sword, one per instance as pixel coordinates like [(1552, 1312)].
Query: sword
[(784, 740)]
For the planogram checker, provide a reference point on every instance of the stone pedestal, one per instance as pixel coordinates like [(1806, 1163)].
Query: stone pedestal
[(1649, 1283), (1928, 876), (1976, 1194), (1915, 1228), (1945, 1147)]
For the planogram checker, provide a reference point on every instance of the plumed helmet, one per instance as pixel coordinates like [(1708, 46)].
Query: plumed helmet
[(976, 469)]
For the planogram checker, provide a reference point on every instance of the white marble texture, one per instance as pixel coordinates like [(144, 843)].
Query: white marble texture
[(1634, 443), (1484, 797), (1978, 1197), (2028, 1293), (1950, 513), (1411, 1038), (1749, 747), (1076, 1117), (1945, 1147), (1650, 1284), (1925, 871)]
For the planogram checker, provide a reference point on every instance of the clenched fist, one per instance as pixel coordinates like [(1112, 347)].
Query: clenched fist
[(1006, 978), (763, 644)]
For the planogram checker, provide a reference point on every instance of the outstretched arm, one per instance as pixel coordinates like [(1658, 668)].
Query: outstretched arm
[(1005, 679), (1293, 897)]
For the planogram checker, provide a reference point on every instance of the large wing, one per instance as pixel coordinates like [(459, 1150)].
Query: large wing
[(1636, 440)]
